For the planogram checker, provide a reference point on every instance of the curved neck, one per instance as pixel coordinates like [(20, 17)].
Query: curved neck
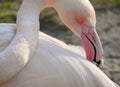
[(23, 45), (29, 12)]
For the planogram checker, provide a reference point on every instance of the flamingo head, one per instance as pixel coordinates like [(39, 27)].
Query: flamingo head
[(80, 17), (90, 38)]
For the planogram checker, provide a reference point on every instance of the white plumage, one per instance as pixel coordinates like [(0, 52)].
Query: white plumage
[(29, 58), (55, 64)]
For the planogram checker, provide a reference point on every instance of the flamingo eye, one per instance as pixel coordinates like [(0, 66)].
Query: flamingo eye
[(80, 20)]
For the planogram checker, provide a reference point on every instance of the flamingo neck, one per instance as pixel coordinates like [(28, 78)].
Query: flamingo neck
[(24, 43)]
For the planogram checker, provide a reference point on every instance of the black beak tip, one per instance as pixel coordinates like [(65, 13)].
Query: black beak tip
[(97, 63)]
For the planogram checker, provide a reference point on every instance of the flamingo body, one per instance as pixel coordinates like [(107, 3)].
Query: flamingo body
[(30, 58), (55, 64)]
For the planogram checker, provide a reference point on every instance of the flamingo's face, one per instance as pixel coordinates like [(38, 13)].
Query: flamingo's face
[(79, 16), (90, 38)]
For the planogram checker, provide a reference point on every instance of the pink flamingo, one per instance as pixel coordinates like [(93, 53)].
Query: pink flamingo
[(30, 58)]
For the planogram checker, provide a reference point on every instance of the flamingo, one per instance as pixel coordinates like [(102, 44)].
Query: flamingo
[(31, 58)]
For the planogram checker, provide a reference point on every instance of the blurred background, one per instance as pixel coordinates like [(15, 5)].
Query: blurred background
[(108, 28)]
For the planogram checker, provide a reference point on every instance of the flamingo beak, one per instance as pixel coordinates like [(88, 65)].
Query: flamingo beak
[(90, 39), (92, 45)]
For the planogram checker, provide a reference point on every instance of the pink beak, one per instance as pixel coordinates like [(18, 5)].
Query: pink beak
[(92, 45)]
